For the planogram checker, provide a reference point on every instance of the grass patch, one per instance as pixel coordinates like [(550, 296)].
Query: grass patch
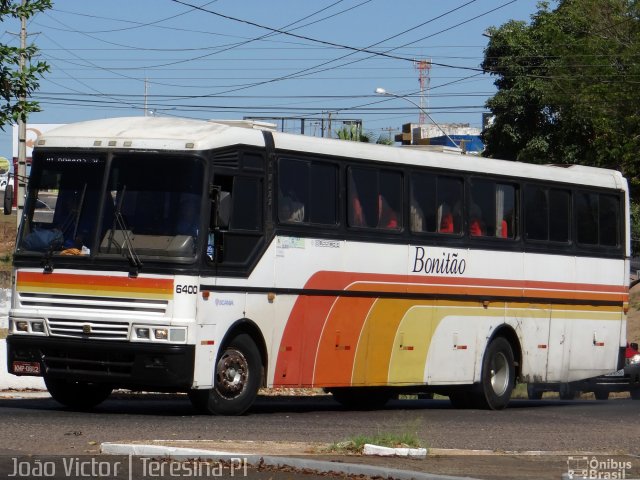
[(520, 391), (355, 444)]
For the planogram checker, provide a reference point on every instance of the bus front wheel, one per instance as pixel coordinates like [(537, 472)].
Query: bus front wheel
[(237, 378), (77, 395), (498, 376)]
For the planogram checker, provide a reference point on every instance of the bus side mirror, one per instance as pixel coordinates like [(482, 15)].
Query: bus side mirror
[(8, 199)]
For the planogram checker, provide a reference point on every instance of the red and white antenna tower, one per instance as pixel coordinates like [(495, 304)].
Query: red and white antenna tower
[(424, 78)]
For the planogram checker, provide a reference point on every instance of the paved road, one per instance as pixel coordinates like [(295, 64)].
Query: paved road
[(41, 426)]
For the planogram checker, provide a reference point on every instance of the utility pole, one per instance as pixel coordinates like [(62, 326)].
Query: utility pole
[(146, 91), (22, 124)]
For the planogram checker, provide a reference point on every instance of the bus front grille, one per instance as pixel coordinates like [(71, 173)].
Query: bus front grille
[(90, 304), (72, 328)]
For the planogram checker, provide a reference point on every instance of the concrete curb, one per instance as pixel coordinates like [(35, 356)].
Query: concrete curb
[(370, 449), (320, 466)]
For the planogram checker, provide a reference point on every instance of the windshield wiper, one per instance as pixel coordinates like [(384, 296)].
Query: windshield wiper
[(118, 222)]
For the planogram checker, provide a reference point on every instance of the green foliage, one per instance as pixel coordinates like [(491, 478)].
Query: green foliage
[(14, 83), (635, 228), (567, 87), (353, 133), (356, 443), (385, 140)]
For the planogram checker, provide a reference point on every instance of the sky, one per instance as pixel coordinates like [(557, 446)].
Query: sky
[(231, 59)]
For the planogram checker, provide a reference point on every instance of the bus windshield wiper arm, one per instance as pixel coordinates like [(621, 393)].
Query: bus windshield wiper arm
[(118, 222)]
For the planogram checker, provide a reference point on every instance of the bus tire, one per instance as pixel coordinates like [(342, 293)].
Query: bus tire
[(497, 376), (534, 393), (77, 395), (635, 393), (237, 378), (361, 398)]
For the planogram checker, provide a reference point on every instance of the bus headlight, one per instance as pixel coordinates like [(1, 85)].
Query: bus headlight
[(37, 327), (161, 333), (151, 333), (635, 359), (142, 333), (27, 326)]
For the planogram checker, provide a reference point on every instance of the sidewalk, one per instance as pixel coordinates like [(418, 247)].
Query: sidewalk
[(445, 464)]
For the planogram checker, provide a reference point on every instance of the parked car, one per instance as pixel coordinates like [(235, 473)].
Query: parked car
[(627, 379)]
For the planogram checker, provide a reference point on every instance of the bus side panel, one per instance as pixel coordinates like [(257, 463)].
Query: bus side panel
[(531, 322), (205, 357)]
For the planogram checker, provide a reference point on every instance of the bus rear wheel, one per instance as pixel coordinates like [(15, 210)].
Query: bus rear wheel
[(77, 395), (238, 376), (497, 376)]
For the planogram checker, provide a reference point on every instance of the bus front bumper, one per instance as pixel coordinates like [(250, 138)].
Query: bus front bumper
[(128, 365)]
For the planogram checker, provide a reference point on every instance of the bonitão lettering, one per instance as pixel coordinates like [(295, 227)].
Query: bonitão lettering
[(448, 264)]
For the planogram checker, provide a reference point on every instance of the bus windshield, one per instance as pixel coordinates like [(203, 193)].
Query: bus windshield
[(150, 208)]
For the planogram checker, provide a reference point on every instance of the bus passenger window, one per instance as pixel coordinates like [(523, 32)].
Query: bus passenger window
[(505, 208), (476, 225), (609, 220), (363, 197), (445, 217), (536, 213), (436, 203), (417, 217), (290, 209), (390, 200), (559, 222), (491, 210), (587, 218), (375, 198), (449, 201), (293, 190), (387, 217), (423, 202)]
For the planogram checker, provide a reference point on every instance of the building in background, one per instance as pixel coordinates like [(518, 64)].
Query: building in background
[(459, 136)]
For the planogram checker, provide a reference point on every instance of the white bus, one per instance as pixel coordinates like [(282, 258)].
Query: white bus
[(216, 258)]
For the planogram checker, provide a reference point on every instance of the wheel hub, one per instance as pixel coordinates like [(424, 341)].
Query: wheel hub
[(232, 373), (499, 374)]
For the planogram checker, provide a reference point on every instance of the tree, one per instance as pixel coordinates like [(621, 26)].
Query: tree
[(568, 87), (353, 133), (16, 84)]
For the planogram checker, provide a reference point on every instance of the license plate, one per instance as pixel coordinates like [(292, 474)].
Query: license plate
[(26, 368), (619, 373)]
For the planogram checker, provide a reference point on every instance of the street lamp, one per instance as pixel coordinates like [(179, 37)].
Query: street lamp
[(382, 91)]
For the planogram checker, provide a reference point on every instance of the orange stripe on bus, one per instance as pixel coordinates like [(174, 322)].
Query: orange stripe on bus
[(309, 339), (96, 282)]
